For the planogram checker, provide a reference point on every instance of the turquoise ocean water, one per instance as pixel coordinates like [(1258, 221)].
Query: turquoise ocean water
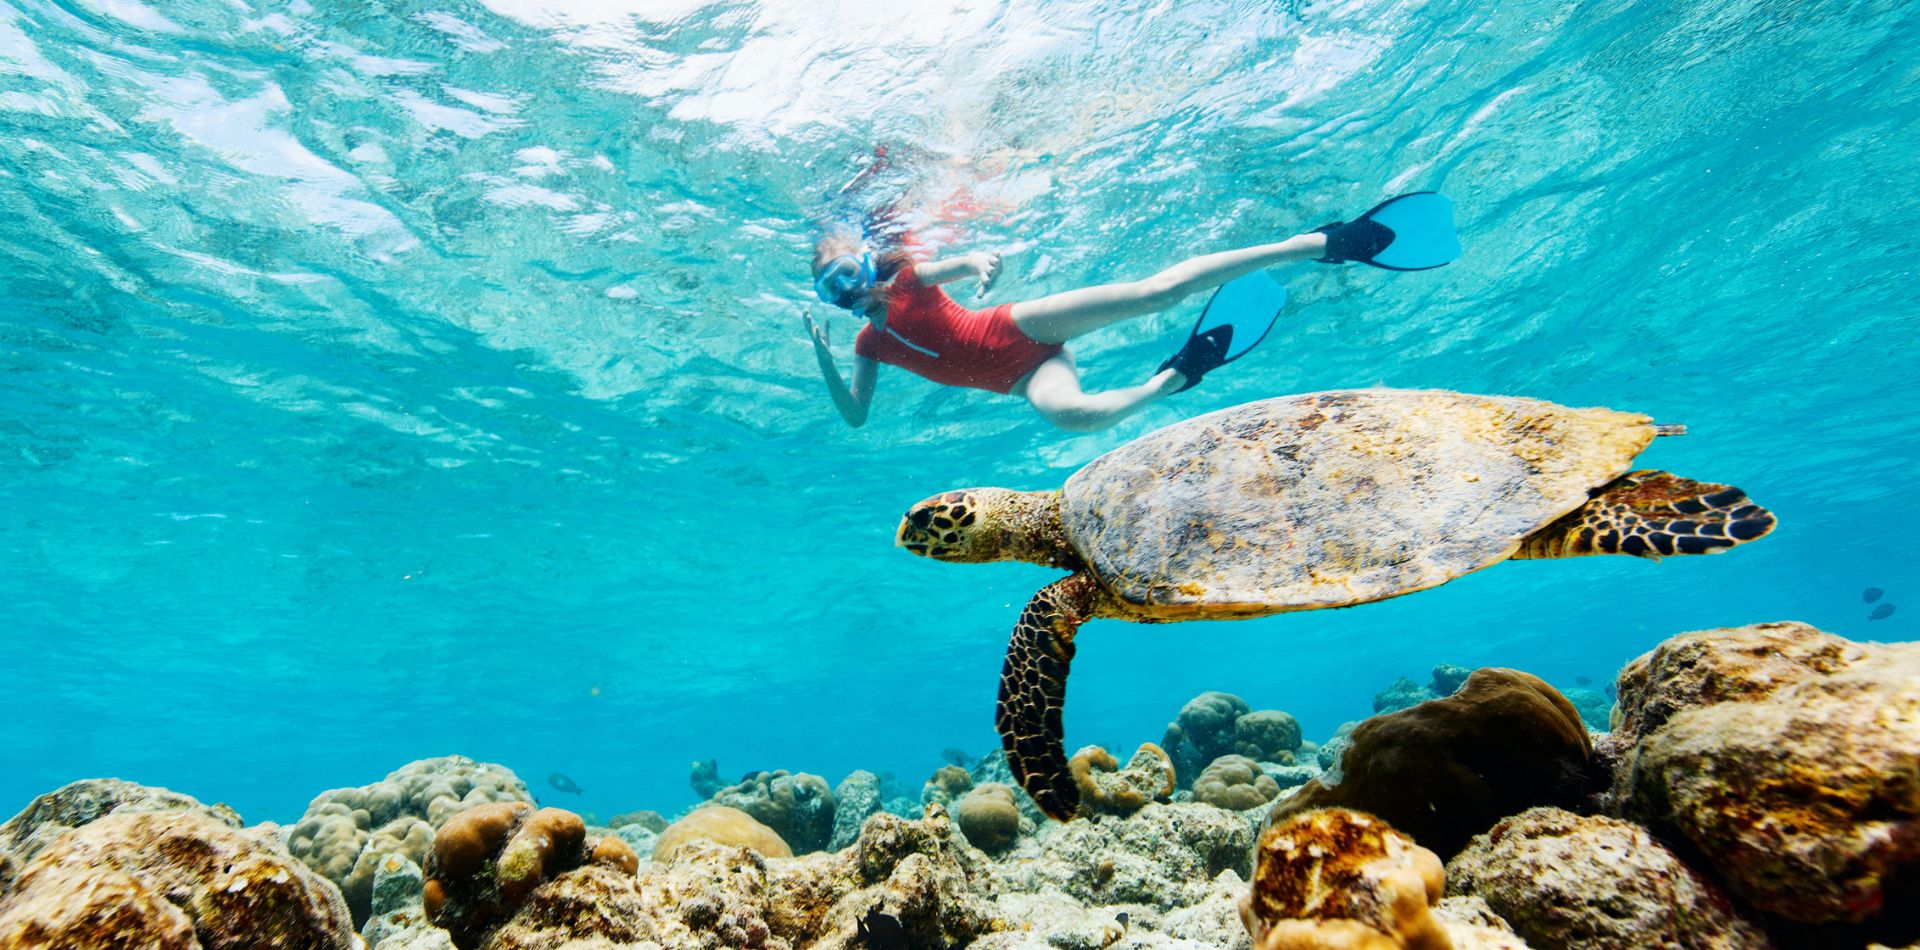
[(384, 380)]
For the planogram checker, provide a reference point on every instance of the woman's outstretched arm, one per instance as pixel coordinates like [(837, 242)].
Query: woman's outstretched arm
[(981, 264), (852, 401)]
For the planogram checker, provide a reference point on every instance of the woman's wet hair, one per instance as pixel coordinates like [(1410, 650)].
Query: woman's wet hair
[(833, 243)]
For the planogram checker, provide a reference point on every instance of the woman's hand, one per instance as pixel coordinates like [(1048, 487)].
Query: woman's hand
[(821, 333), (986, 267)]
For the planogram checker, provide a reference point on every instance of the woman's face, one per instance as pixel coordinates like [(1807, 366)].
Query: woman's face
[(845, 281)]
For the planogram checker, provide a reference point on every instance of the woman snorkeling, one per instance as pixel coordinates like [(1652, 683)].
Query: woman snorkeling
[(1020, 348)]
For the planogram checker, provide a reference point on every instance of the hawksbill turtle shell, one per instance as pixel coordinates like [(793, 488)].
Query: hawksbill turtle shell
[(1335, 498)]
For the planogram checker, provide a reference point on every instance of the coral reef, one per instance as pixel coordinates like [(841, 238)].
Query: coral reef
[(1163, 856), (1333, 878), (1592, 883), (855, 799), (646, 818), (989, 817), (171, 880), (1328, 756), (1105, 788), (913, 874), (993, 767), (798, 807), (1595, 709), (1786, 756), (399, 915), (721, 825), (347, 833), (705, 778), (488, 860), (1236, 783), (946, 786), (1401, 694), (1447, 769), (1268, 735), (1202, 731), (49, 816)]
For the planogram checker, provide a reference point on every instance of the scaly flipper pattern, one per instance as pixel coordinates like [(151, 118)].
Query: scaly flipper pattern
[(1033, 691), (1651, 514)]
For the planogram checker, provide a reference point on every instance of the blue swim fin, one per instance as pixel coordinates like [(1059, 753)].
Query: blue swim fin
[(1236, 318), (1408, 232)]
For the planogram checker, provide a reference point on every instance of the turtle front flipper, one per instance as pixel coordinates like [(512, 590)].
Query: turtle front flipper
[(1651, 514), (1033, 692)]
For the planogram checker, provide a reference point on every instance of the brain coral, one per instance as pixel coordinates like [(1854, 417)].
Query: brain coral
[(347, 831), (799, 808), (1234, 782), (720, 825), (1332, 879), (989, 817), (174, 880), (1447, 769)]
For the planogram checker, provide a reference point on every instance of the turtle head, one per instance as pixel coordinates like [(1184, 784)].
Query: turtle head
[(987, 524)]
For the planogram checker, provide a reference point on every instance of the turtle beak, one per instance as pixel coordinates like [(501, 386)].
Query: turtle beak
[(915, 532)]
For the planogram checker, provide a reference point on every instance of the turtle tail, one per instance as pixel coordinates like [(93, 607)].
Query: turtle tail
[(1651, 514), (1033, 692)]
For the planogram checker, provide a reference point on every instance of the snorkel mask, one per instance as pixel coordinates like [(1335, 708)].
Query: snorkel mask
[(844, 279)]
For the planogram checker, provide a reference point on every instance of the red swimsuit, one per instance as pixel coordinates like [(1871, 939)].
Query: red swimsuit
[(930, 335)]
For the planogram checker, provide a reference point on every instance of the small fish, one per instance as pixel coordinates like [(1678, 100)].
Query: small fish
[(562, 783), (1872, 594), (957, 757), (878, 931), (1583, 681), (1881, 612)]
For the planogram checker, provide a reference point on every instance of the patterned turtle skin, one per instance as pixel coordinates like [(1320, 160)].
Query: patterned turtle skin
[(1305, 502), (1335, 498)]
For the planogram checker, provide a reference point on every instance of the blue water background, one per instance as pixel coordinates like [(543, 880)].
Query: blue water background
[(394, 379)]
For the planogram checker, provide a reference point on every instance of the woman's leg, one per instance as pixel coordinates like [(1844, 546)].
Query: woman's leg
[(1054, 390), (1061, 317)]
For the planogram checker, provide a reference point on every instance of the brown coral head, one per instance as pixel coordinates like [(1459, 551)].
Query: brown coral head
[(468, 839), (615, 853), (1332, 865), (551, 840)]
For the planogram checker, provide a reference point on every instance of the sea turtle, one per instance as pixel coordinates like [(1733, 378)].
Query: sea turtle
[(1302, 502)]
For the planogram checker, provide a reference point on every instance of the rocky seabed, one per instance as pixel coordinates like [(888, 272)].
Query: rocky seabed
[(1756, 787)]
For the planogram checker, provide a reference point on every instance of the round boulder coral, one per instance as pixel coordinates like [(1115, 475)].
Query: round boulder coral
[(798, 807), (1787, 757), (1592, 883), (1207, 721), (720, 825), (49, 816), (175, 880), (989, 817), (1267, 736), (1447, 769), (1236, 783)]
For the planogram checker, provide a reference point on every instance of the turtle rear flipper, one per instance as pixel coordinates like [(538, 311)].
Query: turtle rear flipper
[(1652, 514), (1033, 691)]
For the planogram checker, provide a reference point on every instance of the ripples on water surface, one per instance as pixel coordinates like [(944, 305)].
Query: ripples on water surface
[(383, 380)]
